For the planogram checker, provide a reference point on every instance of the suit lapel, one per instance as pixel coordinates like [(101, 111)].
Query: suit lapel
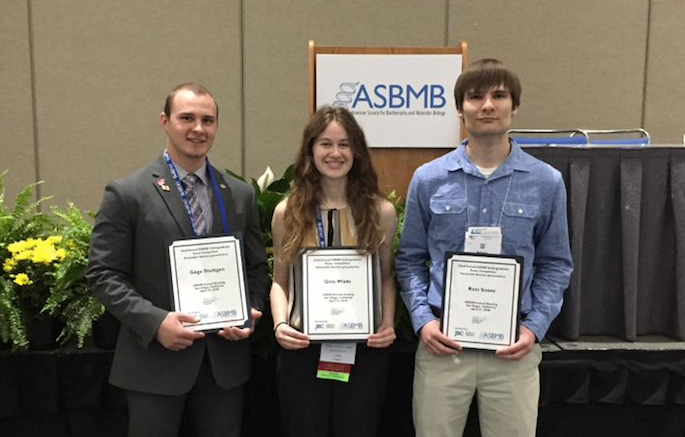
[(164, 184), (229, 205)]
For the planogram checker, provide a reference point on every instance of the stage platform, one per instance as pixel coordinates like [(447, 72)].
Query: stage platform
[(591, 387), (596, 386)]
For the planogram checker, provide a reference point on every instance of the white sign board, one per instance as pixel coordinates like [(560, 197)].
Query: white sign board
[(399, 100)]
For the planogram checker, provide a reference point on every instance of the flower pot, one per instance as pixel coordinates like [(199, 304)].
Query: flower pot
[(106, 331), (42, 333)]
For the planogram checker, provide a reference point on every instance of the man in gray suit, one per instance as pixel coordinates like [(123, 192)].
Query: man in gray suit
[(168, 370)]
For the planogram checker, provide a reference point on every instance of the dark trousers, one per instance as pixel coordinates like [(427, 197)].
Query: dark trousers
[(313, 407), (210, 410)]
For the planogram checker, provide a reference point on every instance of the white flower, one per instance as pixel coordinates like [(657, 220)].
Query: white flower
[(265, 180)]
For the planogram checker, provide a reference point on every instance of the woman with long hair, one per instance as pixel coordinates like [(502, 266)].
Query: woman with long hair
[(335, 201)]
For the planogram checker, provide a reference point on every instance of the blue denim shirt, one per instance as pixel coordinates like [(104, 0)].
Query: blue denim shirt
[(533, 221)]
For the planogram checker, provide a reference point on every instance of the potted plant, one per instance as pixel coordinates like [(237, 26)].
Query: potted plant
[(44, 258), (28, 259), (270, 191), (70, 299)]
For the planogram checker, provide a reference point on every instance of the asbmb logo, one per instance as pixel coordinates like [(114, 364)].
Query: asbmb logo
[(492, 336), (353, 95), (351, 326)]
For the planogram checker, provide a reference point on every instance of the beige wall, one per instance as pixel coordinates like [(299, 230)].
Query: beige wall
[(664, 111), (17, 140), (581, 62), (101, 70)]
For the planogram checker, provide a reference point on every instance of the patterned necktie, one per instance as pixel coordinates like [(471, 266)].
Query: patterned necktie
[(193, 187)]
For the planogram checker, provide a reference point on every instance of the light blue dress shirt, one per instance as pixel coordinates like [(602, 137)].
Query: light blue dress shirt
[(525, 196)]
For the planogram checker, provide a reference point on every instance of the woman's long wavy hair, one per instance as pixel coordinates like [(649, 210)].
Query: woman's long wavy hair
[(361, 190)]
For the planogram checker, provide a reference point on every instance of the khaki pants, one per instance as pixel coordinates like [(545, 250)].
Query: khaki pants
[(507, 393)]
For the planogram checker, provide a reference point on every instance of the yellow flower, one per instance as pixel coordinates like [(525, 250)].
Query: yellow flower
[(22, 246), (22, 255), (54, 239), (36, 250), (44, 253), (22, 279), (9, 265), (16, 247)]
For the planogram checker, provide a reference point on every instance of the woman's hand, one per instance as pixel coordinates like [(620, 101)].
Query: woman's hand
[(383, 338), (290, 338)]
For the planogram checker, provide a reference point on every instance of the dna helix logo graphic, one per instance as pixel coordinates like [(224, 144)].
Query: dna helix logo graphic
[(345, 96)]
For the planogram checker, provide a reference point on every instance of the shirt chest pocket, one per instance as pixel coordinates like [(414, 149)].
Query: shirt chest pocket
[(518, 223), (449, 217)]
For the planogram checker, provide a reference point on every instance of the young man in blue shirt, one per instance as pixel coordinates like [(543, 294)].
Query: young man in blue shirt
[(488, 181)]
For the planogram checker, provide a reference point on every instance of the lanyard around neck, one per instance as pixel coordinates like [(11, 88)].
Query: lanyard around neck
[(186, 201), (319, 228)]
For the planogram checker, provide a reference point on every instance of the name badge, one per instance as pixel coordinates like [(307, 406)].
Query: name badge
[(336, 360), (483, 239), (344, 353)]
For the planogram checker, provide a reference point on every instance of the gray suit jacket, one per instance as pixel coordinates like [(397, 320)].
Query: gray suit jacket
[(128, 273)]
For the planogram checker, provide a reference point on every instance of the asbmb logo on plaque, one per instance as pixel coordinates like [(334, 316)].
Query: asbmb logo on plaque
[(351, 326), (492, 336)]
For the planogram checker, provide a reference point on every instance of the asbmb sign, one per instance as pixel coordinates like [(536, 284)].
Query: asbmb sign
[(400, 100)]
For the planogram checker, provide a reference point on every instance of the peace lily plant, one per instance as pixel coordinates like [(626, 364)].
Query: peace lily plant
[(270, 191)]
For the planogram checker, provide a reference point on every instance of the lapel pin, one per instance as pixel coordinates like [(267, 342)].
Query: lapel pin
[(162, 184), (223, 186)]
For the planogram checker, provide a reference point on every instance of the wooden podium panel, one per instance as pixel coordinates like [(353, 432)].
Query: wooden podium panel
[(395, 167)]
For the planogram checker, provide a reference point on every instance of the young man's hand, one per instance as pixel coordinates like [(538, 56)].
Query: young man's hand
[(521, 348), (233, 333), (437, 342), (173, 335)]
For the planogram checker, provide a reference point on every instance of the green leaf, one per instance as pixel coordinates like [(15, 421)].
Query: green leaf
[(289, 173), (256, 187), (279, 186), (235, 175)]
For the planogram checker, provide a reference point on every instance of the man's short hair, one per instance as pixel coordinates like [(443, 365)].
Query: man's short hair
[(194, 88), (483, 75)]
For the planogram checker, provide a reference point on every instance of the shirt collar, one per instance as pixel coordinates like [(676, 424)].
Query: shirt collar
[(460, 160), (200, 172)]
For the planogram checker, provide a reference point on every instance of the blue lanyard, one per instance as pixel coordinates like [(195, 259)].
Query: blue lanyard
[(184, 196), (319, 228)]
